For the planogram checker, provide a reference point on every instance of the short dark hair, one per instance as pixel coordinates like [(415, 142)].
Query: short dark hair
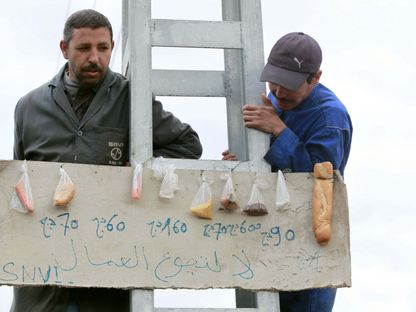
[(85, 18)]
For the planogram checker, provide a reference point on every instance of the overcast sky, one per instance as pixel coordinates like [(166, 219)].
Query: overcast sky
[(368, 61)]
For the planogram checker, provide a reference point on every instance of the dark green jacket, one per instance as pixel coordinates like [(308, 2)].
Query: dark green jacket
[(47, 129)]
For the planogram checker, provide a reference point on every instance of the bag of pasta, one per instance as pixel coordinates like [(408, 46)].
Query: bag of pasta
[(255, 205), (201, 205), (228, 200)]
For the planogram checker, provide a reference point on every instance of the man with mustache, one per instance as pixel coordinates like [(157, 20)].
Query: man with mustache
[(83, 116), (307, 124)]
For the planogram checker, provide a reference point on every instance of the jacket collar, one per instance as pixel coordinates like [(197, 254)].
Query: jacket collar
[(304, 105), (109, 79), (309, 101), (58, 93)]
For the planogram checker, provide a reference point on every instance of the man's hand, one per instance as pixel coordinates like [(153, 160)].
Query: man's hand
[(226, 155), (263, 117)]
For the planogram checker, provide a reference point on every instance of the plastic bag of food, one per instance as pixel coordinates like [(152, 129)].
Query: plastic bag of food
[(22, 199), (65, 190), (166, 173), (201, 205), (282, 194), (136, 183), (228, 198), (255, 205)]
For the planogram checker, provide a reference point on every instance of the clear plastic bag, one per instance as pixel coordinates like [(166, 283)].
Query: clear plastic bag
[(136, 183), (282, 194), (201, 205), (166, 173), (255, 205), (65, 189), (22, 199), (228, 198)]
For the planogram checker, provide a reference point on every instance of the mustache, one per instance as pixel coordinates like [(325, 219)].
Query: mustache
[(285, 100), (92, 67)]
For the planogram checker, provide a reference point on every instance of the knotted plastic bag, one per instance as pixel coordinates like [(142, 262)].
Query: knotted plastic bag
[(136, 183), (255, 205), (166, 173), (201, 205), (65, 189), (282, 194), (22, 199), (228, 198)]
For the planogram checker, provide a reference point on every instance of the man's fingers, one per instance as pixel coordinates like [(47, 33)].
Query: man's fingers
[(228, 156), (249, 107)]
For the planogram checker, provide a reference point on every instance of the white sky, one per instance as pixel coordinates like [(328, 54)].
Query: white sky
[(369, 62)]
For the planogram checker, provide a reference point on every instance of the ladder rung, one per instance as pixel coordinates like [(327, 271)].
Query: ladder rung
[(195, 34), (206, 310), (188, 83)]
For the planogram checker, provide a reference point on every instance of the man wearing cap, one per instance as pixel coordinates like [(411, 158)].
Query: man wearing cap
[(307, 124)]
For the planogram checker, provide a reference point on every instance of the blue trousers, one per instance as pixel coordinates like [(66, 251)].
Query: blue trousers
[(309, 300)]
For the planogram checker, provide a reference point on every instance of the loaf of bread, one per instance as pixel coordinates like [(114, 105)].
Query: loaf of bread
[(63, 194), (323, 170), (322, 201)]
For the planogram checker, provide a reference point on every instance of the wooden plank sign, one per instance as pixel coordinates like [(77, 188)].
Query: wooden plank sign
[(106, 239)]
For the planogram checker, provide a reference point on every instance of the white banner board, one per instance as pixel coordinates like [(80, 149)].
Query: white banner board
[(106, 239)]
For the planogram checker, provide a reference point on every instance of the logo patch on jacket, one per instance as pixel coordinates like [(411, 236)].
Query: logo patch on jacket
[(116, 152)]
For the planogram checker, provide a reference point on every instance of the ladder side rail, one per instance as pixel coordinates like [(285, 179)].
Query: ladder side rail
[(235, 98), (140, 65), (126, 59), (125, 52), (142, 300), (141, 142), (268, 301), (253, 63), (258, 143), (124, 27)]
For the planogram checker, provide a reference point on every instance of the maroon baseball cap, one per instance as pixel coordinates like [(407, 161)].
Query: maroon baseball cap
[(292, 59)]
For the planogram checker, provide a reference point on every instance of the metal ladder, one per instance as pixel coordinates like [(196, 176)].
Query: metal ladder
[(240, 34)]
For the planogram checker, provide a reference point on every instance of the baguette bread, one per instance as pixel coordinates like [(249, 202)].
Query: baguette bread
[(63, 194), (322, 201), (323, 170)]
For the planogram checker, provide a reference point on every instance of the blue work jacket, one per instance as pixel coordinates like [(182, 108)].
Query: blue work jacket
[(318, 130)]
